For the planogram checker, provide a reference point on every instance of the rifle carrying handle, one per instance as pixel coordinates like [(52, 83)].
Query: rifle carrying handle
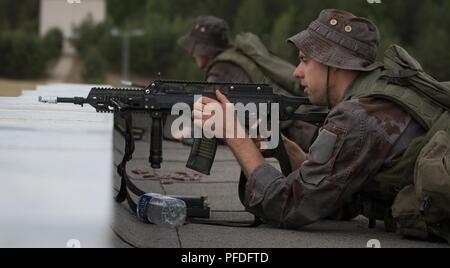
[(202, 155)]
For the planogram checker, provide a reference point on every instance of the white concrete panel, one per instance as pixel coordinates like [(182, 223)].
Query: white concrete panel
[(56, 168)]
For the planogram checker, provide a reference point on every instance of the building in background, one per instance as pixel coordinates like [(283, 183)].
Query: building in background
[(67, 14)]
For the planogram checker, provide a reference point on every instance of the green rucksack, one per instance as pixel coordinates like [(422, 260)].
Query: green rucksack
[(423, 208), (402, 66), (260, 64), (414, 194)]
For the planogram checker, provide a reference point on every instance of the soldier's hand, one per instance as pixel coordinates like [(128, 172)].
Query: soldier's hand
[(296, 155), (206, 108)]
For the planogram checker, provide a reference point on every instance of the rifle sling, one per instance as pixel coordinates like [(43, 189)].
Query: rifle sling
[(125, 183)]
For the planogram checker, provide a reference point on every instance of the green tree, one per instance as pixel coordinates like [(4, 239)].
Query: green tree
[(421, 26), (53, 43), (431, 47), (252, 17), (121, 12), (282, 29), (93, 70), (22, 15), (22, 55)]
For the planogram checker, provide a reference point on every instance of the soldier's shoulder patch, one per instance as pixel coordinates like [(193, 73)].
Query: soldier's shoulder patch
[(323, 147)]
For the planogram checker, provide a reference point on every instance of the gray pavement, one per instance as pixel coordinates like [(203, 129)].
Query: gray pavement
[(222, 191)]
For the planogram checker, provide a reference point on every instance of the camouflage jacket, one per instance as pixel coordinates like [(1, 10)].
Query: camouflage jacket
[(359, 138)]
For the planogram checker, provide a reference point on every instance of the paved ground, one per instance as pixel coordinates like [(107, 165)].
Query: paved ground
[(221, 189)]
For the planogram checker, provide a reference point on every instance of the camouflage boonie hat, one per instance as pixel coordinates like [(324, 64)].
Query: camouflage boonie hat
[(340, 39), (208, 37)]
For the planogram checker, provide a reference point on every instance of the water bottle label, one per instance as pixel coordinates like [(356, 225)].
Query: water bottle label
[(142, 207)]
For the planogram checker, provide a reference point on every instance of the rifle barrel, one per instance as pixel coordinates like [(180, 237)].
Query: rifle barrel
[(56, 100)]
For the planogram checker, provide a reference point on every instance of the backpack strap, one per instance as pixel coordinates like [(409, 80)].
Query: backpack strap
[(379, 85)]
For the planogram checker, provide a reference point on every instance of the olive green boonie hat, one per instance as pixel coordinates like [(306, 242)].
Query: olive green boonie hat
[(340, 39), (208, 37)]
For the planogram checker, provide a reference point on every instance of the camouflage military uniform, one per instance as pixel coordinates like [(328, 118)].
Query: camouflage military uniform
[(360, 137)]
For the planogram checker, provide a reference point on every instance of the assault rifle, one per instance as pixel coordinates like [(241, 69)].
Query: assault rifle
[(157, 100)]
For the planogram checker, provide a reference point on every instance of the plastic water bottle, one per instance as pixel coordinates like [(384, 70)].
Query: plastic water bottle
[(161, 210)]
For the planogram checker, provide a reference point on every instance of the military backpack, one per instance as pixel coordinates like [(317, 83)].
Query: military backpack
[(413, 195)]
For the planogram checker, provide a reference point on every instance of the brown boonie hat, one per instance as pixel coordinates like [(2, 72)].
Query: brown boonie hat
[(208, 37), (340, 39)]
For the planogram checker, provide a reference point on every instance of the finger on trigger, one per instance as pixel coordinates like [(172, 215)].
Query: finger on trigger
[(221, 97)]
